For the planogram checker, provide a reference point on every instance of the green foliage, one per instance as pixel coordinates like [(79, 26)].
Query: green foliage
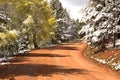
[(8, 37), (31, 18)]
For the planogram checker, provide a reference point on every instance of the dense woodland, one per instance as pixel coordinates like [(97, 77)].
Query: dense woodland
[(102, 23), (24, 24), (31, 24)]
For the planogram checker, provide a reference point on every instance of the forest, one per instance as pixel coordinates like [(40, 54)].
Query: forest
[(28, 25), (32, 24)]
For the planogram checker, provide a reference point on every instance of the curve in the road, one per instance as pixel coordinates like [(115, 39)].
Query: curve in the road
[(63, 62)]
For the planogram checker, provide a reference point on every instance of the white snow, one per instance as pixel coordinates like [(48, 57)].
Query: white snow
[(95, 39), (103, 61), (116, 66), (4, 63)]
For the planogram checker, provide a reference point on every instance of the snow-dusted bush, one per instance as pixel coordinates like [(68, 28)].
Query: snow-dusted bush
[(11, 43), (23, 45), (7, 40)]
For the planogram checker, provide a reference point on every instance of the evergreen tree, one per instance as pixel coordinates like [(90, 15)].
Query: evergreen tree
[(102, 22), (66, 29)]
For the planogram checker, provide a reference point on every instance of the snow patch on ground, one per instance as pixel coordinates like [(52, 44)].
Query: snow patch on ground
[(103, 61), (115, 66), (5, 60)]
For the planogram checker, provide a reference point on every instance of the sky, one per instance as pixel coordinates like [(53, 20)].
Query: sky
[(73, 7)]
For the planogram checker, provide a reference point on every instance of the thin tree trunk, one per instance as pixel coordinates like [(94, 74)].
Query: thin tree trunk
[(114, 40), (34, 40)]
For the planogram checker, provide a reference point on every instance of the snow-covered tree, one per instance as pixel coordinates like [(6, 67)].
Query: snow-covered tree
[(7, 37), (66, 30), (102, 18)]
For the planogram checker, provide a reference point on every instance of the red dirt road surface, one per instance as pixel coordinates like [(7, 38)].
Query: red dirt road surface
[(63, 62)]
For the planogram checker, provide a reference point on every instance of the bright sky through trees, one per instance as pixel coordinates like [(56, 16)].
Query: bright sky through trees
[(73, 7)]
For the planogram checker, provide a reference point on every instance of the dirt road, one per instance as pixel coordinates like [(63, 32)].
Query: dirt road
[(63, 62)]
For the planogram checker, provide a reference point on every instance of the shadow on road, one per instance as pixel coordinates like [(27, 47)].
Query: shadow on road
[(18, 59), (37, 70), (42, 55), (62, 48)]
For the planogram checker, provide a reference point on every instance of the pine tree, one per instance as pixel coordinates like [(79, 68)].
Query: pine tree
[(65, 30), (102, 22)]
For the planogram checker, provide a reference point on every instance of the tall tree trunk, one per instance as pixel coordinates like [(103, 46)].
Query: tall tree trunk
[(34, 40), (114, 40)]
